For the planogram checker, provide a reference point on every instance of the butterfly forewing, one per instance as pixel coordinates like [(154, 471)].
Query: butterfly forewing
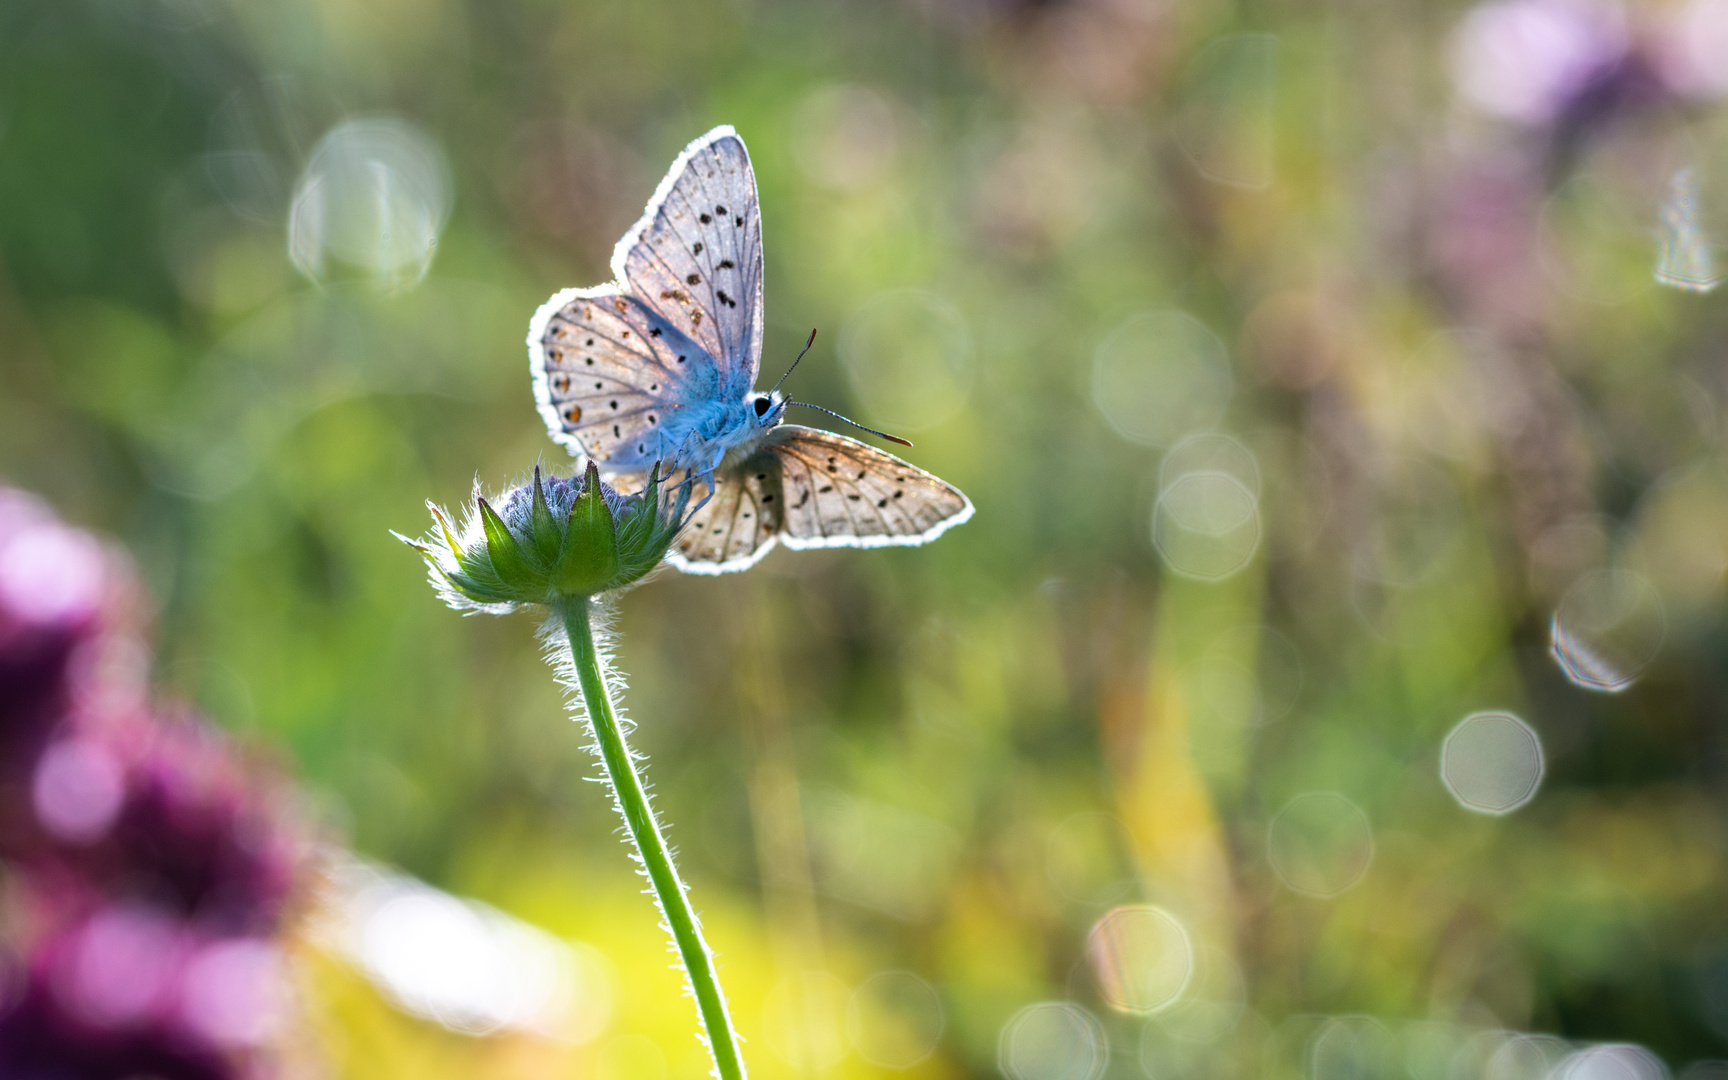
[(696, 255), (839, 492), (610, 373), (737, 526)]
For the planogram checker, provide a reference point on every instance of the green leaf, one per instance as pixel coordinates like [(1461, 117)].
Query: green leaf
[(547, 538), (507, 558), (450, 540), (637, 530), (589, 563)]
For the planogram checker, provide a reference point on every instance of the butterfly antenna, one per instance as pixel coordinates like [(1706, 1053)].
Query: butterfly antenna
[(854, 423), (789, 370)]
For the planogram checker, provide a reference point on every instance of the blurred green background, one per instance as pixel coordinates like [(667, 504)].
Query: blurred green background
[(1157, 746)]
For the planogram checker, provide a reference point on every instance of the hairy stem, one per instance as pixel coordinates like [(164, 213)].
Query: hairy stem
[(644, 828)]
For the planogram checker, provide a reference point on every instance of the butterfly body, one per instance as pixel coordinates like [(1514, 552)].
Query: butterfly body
[(659, 366), (727, 437)]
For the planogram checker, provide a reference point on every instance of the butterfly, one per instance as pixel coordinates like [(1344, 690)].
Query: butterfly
[(659, 366)]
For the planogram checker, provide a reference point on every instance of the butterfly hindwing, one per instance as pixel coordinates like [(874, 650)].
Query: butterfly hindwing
[(840, 492), (737, 526), (608, 373), (696, 255), (813, 488)]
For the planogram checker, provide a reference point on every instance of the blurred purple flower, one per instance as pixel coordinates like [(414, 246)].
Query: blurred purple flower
[(131, 991), (52, 582), (1531, 61), (162, 809), (154, 866), (1692, 50), (1569, 66)]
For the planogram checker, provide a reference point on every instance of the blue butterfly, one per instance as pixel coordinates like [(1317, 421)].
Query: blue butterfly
[(660, 366)]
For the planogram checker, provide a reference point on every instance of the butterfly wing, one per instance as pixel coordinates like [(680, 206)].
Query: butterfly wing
[(612, 378), (624, 371), (737, 526), (839, 492), (695, 258), (813, 488)]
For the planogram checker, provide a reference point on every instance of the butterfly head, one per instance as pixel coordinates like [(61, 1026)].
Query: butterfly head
[(767, 409)]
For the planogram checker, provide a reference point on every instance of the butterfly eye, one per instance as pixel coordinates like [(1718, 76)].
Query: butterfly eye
[(762, 406)]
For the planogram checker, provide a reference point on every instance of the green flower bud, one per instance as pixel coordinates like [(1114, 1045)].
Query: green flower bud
[(557, 539)]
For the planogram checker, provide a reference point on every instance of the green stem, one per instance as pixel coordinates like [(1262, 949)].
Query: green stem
[(645, 831)]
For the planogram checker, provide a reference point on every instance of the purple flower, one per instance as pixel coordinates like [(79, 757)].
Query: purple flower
[(163, 809), (130, 990), (52, 584), (1691, 47), (1531, 60), (154, 865)]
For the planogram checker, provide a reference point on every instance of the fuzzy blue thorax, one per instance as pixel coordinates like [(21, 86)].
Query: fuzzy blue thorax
[(725, 432)]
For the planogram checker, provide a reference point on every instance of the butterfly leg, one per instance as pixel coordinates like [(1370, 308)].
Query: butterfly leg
[(707, 472), (690, 479), (694, 510)]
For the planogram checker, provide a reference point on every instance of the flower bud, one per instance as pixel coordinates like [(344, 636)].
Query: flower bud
[(557, 539)]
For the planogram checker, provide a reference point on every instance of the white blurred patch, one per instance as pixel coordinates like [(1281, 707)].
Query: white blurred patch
[(894, 1019), (1052, 1040), (375, 195), (1160, 374), (1607, 629), (1491, 762), (50, 574), (1685, 258), (1525, 1057), (1206, 525), (463, 964), (1612, 1061), (1352, 1048), (1210, 451), (1141, 957), (1320, 844)]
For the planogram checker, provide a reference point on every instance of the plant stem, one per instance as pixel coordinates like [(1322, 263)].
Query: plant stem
[(644, 829)]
